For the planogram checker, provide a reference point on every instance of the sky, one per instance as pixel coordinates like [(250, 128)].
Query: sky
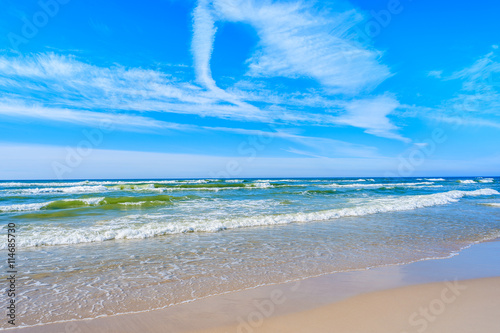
[(249, 88)]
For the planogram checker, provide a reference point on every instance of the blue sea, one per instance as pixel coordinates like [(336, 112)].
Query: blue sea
[(103, 247)]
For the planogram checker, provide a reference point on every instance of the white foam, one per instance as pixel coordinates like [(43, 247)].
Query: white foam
[(145, 226), (23, 207), (467, 181), (88, 201), (377, 185), (196, 181), (486, 180), (87, 183), (55, 190), (260, 184), (492, 204), (138, 203), (436, 179)]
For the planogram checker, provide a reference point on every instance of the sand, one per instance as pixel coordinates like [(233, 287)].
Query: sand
[(461, 306), (458, 294)]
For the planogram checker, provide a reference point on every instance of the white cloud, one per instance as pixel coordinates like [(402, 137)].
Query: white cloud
[(62, 82), (468, 121), (371, 114), (55, 80), (202, 43), (20, 109), (299, 41), (296, 41), (127, 122), (436, 74), (476, 103), (480, 93)]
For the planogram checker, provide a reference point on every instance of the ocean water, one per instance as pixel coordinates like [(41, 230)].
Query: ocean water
[(104, 247)]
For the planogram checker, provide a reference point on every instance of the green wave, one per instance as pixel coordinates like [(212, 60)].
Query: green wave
[(286, 202), (13, 197), (56, 214), (64, 204), (121, 200), (322, 192), (137, 201)]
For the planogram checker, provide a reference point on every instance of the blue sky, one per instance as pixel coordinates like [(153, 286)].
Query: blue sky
[(240, 88)]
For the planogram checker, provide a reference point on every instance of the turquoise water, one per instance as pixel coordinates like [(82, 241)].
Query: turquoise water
[(91, 248)]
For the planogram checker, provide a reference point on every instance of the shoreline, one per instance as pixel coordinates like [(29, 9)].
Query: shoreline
[(223, 311)]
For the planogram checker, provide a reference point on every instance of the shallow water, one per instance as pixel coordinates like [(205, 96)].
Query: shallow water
[(91, 248)]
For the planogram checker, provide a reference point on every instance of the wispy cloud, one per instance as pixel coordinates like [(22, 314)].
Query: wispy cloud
[(203, 42), (20, 109), (56, 80), (475, 104), (371, 114), (63, 82), (437, 74), (480, 86), (469, 121), (297, 40)]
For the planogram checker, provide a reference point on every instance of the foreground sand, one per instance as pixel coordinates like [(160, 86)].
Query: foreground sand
[(461, 306), (458, 306), (458, 294)]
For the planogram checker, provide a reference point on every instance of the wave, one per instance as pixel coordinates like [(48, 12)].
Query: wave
[(145, 226), (486, 180), (220, 186), (135, 187), (358, 180), (321, 192), (467, 181), (436, 179), (89, 183), (145, 187), (201, 185), (142, 201), (492, 204), (57, 190), (377, 185)]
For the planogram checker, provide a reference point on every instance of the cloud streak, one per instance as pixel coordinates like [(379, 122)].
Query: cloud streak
[(296, 41)]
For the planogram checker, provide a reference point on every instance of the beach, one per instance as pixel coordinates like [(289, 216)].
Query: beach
[(250, 166), (457, 294), (123, 253)]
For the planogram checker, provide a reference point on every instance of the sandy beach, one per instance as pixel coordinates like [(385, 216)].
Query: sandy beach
[(250, 166), (459, 306), (457, 294)]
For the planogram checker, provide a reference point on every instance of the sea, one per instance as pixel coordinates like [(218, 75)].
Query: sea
[(93, 248)]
